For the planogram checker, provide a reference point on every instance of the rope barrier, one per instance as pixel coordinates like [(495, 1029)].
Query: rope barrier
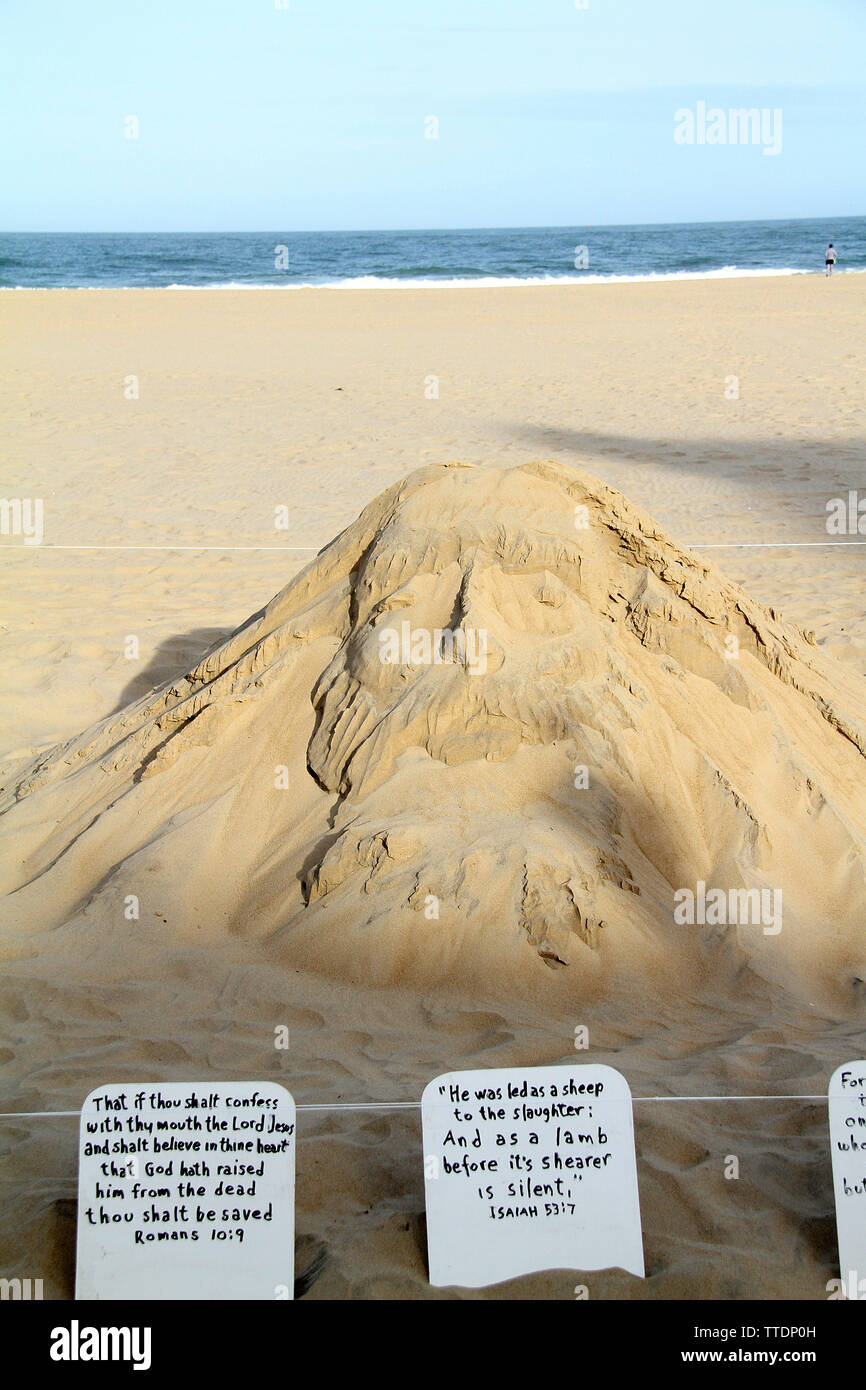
[(416, 1104)]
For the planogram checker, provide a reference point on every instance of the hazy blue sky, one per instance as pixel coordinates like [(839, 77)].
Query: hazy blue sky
[(313, 116)]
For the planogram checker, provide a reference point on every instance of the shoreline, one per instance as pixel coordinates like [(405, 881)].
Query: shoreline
[(479, 283)]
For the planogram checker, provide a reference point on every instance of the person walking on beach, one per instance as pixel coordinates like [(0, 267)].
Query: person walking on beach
[(829, 259)]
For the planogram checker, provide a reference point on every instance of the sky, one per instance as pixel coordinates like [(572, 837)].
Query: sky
[(308, 115)]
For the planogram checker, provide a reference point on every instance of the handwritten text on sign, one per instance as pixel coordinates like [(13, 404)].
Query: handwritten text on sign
[(527, 1170), (847, 1097), (187, 1191)]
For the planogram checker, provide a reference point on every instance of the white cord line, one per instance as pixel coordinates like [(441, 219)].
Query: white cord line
[(410, 1105), (772, 545), (688, 545), (174, 547)]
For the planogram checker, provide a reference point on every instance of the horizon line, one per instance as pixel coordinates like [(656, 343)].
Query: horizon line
[(475, 227)]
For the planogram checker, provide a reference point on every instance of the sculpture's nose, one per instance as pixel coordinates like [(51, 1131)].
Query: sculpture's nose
[(478, 613)]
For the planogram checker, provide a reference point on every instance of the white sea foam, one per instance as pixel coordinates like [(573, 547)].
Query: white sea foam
[(429, 282), (730, 272), (365, 282)]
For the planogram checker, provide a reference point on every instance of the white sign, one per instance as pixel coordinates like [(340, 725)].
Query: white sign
[(847, 1096), (529, 1169), (187, 1190)]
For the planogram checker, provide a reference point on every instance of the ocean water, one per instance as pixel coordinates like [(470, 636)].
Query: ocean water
[(496, 256)]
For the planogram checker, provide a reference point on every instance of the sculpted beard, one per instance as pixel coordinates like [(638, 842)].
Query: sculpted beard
[(454, 716)]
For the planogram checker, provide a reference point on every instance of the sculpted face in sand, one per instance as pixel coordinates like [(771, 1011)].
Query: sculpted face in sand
[(469, 656)]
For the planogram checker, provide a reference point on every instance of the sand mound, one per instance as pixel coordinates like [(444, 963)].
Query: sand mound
[(489, 735)]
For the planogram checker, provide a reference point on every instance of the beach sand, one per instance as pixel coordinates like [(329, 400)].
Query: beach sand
[(730, 411)]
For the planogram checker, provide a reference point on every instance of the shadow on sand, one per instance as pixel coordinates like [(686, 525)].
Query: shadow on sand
[(172, 658)]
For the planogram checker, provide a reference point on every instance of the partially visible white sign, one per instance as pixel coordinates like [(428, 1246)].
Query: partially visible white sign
[(187, 1190), (847, 1110), (529, 1169)]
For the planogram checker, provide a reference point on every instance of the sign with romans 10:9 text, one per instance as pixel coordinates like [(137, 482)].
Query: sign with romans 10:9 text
[(187, 1191)]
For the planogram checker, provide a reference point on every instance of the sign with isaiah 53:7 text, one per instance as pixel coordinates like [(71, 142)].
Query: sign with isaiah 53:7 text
[(528, 1169)]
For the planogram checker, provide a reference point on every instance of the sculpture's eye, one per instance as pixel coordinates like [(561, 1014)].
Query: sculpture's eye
[(392, 603), (551, 594)]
